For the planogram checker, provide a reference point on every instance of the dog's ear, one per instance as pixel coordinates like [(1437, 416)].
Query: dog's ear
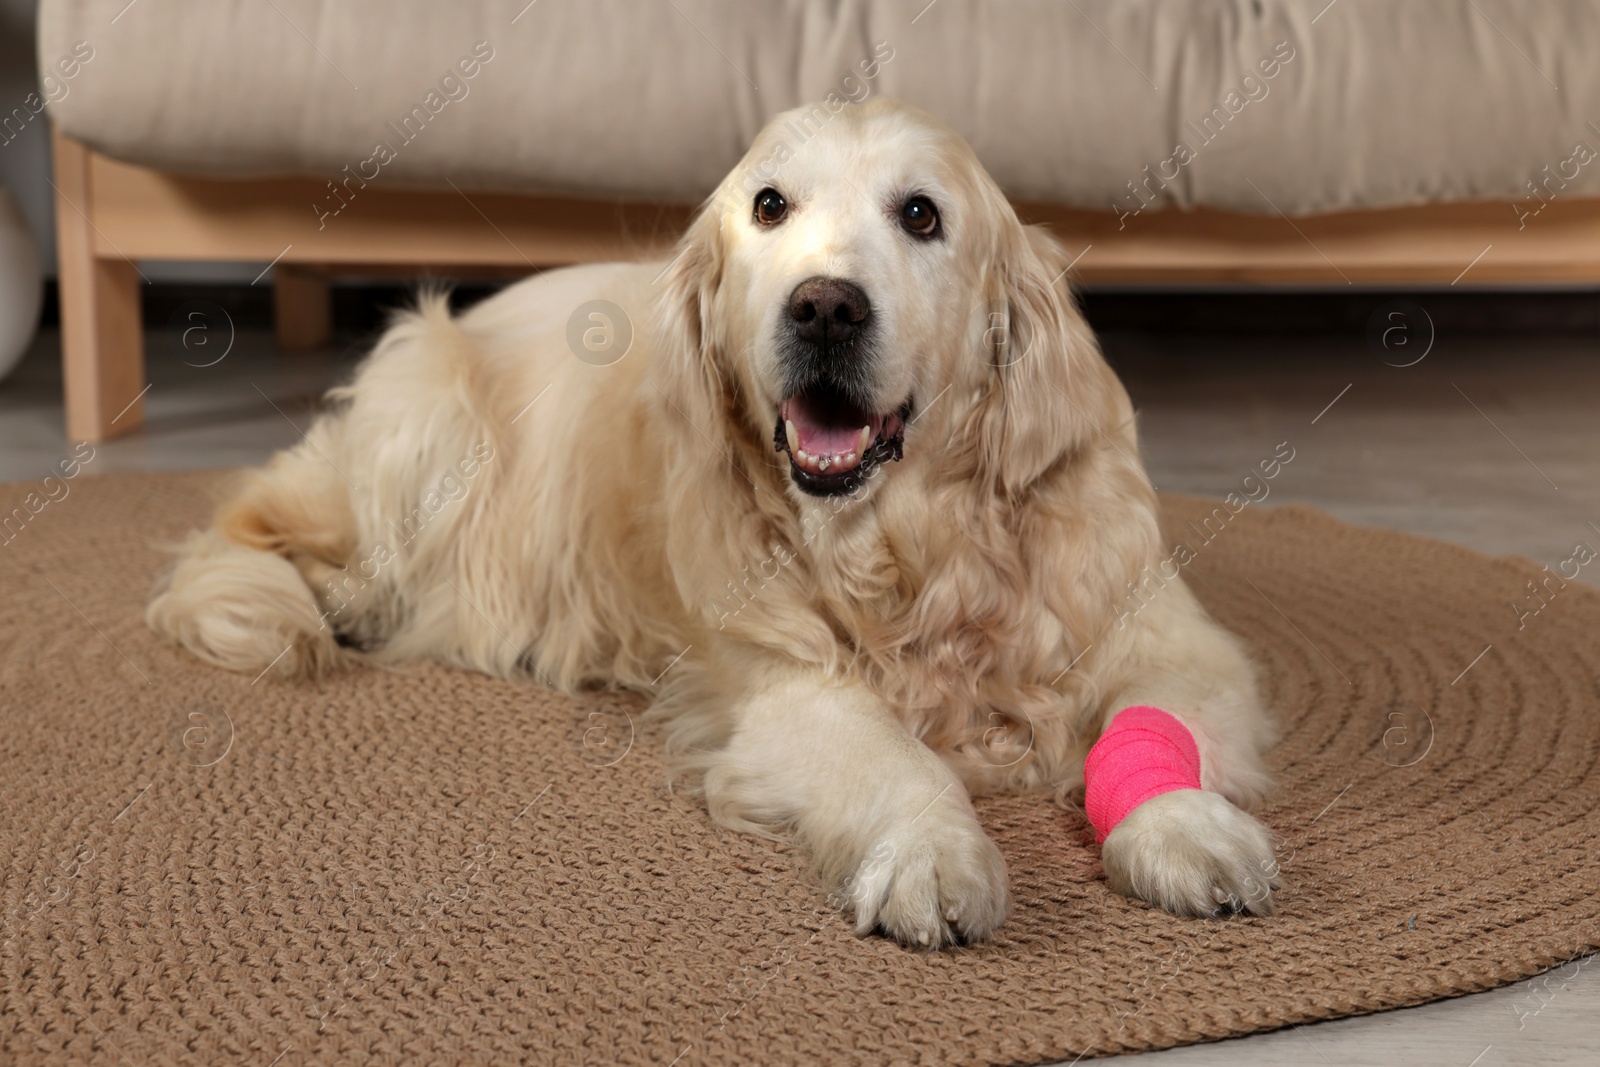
[(692, 376), (1045, 391), (699, 369), (727, 499)]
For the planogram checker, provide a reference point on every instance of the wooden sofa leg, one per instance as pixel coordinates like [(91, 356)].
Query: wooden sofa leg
[(302, 308), (102, 339)]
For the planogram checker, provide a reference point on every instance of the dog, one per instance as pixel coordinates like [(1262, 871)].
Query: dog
[(851, 493)]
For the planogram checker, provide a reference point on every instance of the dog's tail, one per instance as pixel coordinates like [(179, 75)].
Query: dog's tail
[(241, 609), (276, 582), (242, 595)]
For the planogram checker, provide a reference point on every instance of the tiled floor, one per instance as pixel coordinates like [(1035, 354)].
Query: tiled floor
[(1490, 442), (233, 412), (1494, 443)]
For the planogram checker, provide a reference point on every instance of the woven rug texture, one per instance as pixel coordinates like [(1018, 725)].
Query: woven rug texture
[(431, 866)]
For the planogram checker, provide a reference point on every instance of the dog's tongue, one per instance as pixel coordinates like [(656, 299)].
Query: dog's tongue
[(828, 438)]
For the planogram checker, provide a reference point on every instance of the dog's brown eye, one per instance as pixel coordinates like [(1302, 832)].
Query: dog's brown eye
[(770, 207), (919, 216)]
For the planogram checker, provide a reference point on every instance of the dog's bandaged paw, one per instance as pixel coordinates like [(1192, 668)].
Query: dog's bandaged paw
[(1143, 753), (1191, 852), (934, 880)]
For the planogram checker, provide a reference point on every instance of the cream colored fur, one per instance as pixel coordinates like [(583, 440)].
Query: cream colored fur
[(851, 668)]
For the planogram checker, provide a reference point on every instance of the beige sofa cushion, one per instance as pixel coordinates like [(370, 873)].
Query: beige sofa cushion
[(1252, 105)]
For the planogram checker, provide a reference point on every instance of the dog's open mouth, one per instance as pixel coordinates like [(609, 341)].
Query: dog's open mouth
[(833, 443)]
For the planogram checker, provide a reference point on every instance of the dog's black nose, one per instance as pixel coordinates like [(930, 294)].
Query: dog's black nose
[(827, 311)]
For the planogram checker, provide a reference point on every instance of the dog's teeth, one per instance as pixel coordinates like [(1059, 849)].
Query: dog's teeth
[(801, 457), (850, 459), (866, 439), (793, 435), (823, 463)]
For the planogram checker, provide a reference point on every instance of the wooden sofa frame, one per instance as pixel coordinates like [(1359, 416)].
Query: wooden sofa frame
[(111, 216)]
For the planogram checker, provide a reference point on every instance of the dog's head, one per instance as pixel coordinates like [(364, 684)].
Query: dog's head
[(858, 270)]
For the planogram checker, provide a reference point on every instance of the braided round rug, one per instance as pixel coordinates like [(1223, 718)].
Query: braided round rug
[(430, 866)]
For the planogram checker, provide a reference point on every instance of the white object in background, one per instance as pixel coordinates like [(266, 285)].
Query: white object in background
[(21, 284)]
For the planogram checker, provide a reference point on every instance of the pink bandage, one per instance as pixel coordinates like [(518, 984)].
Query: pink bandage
[(1143, 753)]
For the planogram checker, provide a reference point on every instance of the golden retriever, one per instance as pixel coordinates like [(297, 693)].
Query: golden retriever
[(859, 504)]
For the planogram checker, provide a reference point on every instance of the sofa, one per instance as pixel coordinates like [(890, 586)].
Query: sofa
[(1304, 142)]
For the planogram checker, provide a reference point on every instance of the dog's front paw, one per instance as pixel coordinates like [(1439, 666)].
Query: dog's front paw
[(1191, 852), (934, 880)]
